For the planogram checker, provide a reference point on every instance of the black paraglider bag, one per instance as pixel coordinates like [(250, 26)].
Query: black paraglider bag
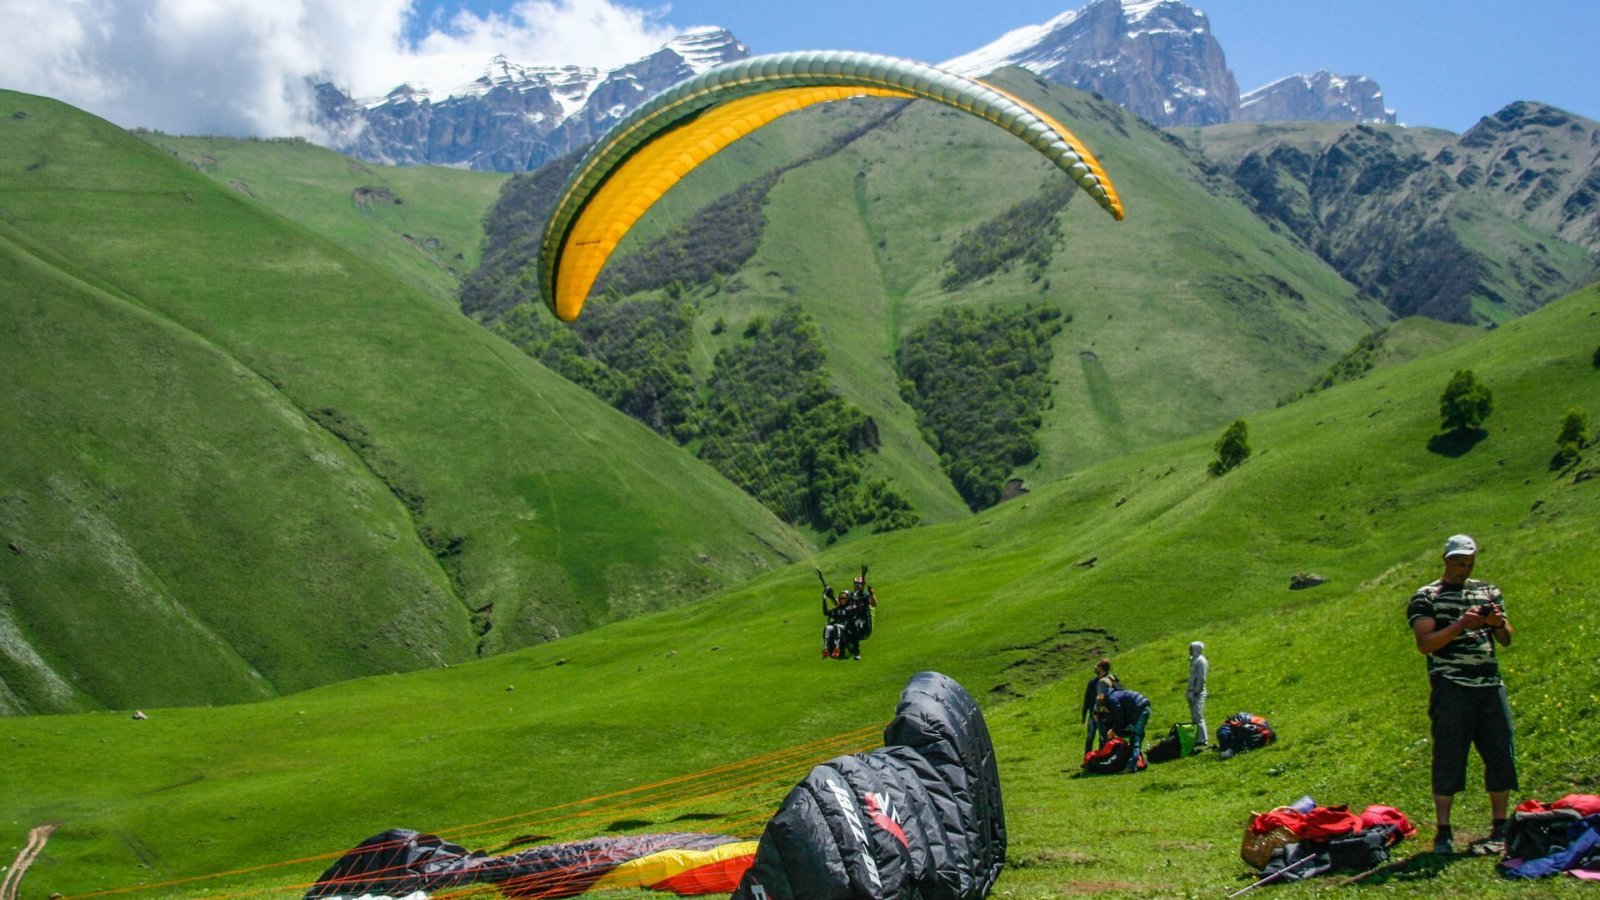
[(920, 817)]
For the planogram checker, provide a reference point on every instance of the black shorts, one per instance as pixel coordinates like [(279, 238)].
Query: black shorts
[(1465, 717)]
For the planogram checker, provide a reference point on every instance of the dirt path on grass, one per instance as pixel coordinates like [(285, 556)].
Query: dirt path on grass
[(36, 839)]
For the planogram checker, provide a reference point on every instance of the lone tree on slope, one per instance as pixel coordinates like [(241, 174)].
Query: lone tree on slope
[(1466, 402), (1233, 448)]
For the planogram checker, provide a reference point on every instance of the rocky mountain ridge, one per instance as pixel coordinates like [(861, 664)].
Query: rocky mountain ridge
[(1476, 228), (1156, 58), (511, 118), (1159, 59), (1318, 97)]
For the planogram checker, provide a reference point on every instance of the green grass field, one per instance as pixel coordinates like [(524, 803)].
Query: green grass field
[(1343, 483)]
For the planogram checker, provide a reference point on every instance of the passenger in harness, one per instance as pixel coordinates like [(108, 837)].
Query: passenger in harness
[(837, 613)]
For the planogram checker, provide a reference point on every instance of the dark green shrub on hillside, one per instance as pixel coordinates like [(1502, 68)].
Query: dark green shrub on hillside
[(1028, 231), (1596, 359), (979, 382), (769, 421), (1233, 448), (718, 239), (1573, 436), (1356, 362), (1465, 403), (633, 355), (513, 231), (773, 425)]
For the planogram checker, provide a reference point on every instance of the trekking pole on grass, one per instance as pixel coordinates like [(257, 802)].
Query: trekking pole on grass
[(1278, 874)]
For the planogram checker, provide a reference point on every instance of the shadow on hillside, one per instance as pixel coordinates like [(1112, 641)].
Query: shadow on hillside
[(628, 825), (1419, 869), (1456, 443)]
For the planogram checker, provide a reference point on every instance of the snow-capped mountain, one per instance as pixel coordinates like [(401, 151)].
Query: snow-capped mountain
[(1322, 96), (505, 116), (1155, 57), (1159, 59)]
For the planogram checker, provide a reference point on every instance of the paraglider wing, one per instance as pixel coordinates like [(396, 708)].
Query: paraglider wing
[(407, 864), (660, 142), (919, 817)]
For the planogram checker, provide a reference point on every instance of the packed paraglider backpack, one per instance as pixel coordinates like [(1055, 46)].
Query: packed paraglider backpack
[(1111, 758), (1244, 731), (1306, 840), (1545, 839), (1178, 743)]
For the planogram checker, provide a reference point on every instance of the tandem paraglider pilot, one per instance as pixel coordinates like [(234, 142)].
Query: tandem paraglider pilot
[(1458, 621)]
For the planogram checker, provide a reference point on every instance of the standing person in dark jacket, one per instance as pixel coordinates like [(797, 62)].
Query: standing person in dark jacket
[(1103, 682), (1457, 622), (1125, 713)]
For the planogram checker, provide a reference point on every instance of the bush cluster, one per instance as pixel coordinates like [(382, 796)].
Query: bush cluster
[(1028, 231), (513, 230), (768, 420), (774, 426), (979, 382), (633, 355)]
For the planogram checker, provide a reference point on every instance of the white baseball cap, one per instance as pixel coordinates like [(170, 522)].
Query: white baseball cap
[(1460, 545)]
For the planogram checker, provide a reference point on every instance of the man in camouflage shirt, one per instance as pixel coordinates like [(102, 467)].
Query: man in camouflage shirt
[(1457, 621)]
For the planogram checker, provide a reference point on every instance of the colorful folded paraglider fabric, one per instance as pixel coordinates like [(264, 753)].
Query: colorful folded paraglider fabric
[(652, 148), (407, 865), (1327, 822), (1290, 844), (1550, 838), (1584, 804), (919, 817)]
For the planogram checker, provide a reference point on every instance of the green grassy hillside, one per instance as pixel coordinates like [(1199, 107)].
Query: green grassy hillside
[(682, 716), (242, 460), (1193, 289), (423, 225)]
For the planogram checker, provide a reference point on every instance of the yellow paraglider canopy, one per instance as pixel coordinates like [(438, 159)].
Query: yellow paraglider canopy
[(648, 152)]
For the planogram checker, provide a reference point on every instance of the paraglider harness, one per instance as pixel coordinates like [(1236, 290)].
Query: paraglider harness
[(1111, 758), (1244, 731)]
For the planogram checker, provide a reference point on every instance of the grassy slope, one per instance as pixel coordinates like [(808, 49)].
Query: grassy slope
[(1186, 291), (121, 426), (1342, 483), (567, 513), (426, 231)]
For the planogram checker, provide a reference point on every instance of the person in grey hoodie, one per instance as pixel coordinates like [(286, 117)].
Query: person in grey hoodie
[(1199, 668)]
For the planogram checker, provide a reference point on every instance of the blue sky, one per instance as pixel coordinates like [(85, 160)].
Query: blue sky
[(241, 67), (1444, 63)]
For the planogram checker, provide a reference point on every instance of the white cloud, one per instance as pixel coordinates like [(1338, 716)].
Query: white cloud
[(240, 66)]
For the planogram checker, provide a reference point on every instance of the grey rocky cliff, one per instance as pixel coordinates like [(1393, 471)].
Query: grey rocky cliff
[(1157, 58), (512, 118), (1320, 97)]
